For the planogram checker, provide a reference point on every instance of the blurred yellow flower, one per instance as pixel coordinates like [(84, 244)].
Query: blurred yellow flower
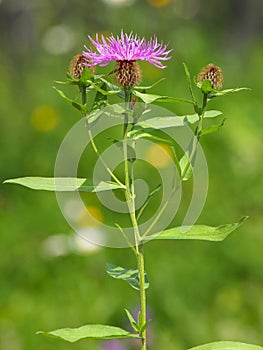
[(91, 217), (159, 3), (44, 118), (159, 155)]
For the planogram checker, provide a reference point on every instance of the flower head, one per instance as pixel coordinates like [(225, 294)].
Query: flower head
[(126, 47), (77, 66), (212, 73)]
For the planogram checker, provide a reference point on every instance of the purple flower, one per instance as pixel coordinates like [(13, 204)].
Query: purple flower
[(114, 344), (126, 48)]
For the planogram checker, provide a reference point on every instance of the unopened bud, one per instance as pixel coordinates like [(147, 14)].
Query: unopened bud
[(77, 66), (213, 74)]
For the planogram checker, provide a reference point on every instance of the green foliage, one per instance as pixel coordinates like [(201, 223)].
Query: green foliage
[(30, 284), (227, 345), (151, 98), (212, 129), (63, 184), (185, 167), (206, 87), (95, 331), (199, 232), (128, 275), (73, 103), (218, 93), (172, 121)]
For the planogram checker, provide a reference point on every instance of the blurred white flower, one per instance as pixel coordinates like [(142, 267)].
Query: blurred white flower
[(74, 243), (58, 40), (119, 2)]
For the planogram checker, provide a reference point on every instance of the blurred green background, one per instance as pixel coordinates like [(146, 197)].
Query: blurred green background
[(200, 292)]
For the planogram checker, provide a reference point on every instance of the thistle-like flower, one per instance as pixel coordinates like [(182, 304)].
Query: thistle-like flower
[(212, 73), (126, 49)]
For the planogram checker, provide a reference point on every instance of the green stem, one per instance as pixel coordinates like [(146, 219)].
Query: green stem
[(93, 144), (130, 198), (197, 134), (140, 261)]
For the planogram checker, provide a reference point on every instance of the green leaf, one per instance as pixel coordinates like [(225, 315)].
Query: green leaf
[(75, 104), (199, 232), (151, 194), (187, 74), (96, 331), (206, 87), (86, 76), (193, 118), (227, 345), (63, 184), (114, 88), (161, 122), (101, 90), (150, 98), (132, 321), (216, 93), (145, 326), (188, 78), (68, 82), (128, 275), (186, 167), (174, 121), (100, 100), (212, 129), (139, 134), (140, 88)]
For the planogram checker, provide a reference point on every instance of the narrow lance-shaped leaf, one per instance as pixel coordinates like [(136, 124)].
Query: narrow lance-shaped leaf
[(227, 345), (73, 103), (150, 98), (101, 90), (132, 321), (185, 167), (211, 129), (100, 100), (114, 88), (198, 232), (95, 331), (139, 134), (63, 184), (217, 93), (150, 196), (173, 121), (141, 88), (86, 76), (130, 276), (188, 78)]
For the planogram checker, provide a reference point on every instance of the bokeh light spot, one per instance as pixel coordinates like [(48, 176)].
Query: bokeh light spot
[(119, 2), (58, 40), (159, 3), (159, 155), (91, 217), (44, 118)]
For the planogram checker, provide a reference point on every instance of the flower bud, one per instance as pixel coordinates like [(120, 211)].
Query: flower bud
[(213, 74), (77, 66)]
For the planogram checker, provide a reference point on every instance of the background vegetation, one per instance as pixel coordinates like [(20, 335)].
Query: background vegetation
[(200, 292)]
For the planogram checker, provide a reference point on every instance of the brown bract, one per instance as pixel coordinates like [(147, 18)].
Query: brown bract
[(212, 73), (77, 66), (128, 73)]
